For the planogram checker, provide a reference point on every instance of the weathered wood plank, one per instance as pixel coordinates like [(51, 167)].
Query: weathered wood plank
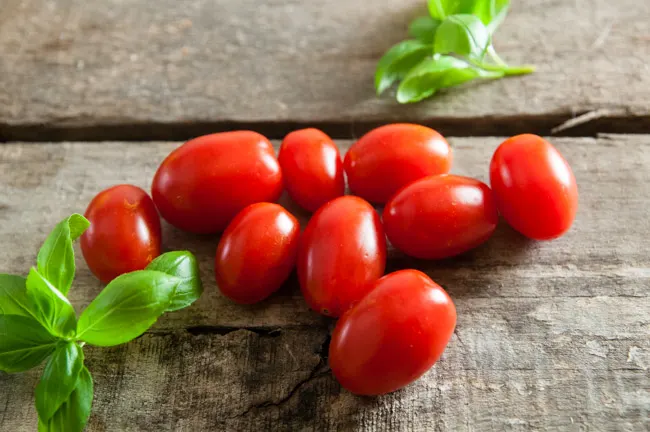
[(551, 336), (138, 69), (245, 381), (604, 254)]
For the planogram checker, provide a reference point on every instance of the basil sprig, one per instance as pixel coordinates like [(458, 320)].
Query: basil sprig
[(38, 323), (449, 47)]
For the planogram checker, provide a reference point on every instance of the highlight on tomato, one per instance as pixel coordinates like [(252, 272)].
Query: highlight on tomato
[(342, 253), (257, 252), (312, 168), (390, 157), (440, 216), (124, 233), (204, 183), (534, 186), (393, 335)]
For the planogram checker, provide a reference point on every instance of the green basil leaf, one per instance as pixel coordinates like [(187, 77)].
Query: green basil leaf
[(424, 29), (49, 307), (126, 308), (183, 265), (490, 12), (465, 35), (24, 343), (55, 260), (73, 415), (437, 73), (440, 9), (59, 379), (13, 295), (397, 61)]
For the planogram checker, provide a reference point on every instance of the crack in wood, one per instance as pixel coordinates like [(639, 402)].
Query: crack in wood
[(570, 124), (224, 330), (320, 370)]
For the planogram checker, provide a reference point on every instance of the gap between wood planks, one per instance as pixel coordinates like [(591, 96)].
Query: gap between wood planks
[(585, 124)]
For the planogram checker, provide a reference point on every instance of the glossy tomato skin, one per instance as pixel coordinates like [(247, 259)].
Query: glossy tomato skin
[(204, 183), (342, 253), (440, 216), (534, 186), (393, 336), (312, 168), (124, 233), (388, 158), (257, 252)]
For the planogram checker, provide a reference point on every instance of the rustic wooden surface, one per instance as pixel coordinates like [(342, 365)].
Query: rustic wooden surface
[(551, 335), (140, 69)]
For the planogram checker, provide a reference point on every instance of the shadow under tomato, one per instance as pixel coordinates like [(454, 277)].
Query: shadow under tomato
[(467, 274), (298, 212), (200, 245)]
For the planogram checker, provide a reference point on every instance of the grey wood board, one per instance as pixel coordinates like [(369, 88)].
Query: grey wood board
[(551, 335), (138, 69), (243, 381)]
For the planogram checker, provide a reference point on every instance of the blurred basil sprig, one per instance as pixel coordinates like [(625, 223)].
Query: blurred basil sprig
[(38, 323), (448, 48)]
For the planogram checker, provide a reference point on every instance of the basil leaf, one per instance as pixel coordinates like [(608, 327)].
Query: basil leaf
[(183, 265), (49, 306), (424, 29), (126, 308), (13, 295), (464, 35), (55, 260), (440, 9), (24, 343), (396, 63), (437, 73), (490, 12), (73, 415), (59, 379)]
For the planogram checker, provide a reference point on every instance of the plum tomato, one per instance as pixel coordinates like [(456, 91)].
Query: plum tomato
[(257, 252), (124, 233), (440, 216), (393, 335), (204, 183), (534, 187), (312, 168), (342, 253), (388, 158)]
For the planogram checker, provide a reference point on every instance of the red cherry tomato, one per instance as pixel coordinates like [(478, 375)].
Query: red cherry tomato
[(534, 187), (124, 233), (342, 253), (440, 216), (388, 158), (393, 336), (257, 252), (205, 182), (312, 168)]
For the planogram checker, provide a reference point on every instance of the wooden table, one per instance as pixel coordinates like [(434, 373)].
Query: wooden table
[(551, 335)]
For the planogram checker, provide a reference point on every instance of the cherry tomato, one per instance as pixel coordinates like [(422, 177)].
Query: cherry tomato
[(256, 253), (205, 182), (534, 187), (394, 335), (124, 233), (312, 168), (342, 253), (440, 216), (388, 158)]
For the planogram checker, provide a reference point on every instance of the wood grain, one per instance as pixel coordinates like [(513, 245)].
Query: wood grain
[(604, 254), (138, 69), (551, 335), (243, 381)]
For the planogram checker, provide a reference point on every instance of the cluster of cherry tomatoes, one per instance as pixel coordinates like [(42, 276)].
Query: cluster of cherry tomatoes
[(392, 328)]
